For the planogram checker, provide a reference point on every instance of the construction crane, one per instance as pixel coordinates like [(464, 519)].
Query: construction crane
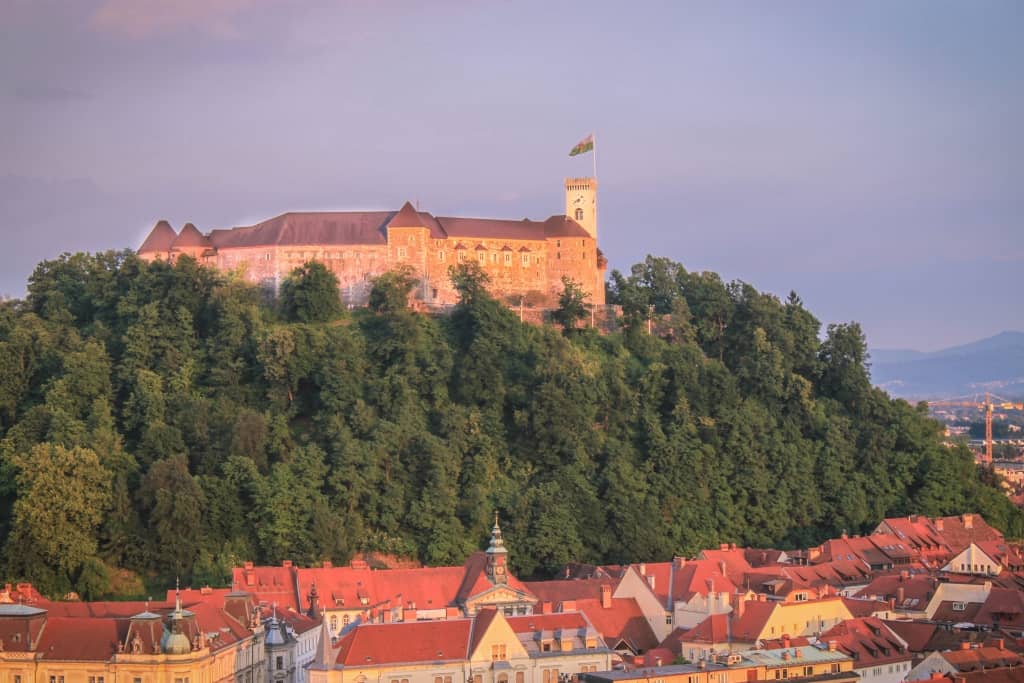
[(988, 405)]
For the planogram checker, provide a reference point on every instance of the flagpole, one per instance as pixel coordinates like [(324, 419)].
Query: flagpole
[(594, 137)]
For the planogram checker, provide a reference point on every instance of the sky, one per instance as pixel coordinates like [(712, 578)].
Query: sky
[(868, 155)]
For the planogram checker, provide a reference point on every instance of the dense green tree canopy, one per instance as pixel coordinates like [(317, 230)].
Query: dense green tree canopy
[(165, 419)]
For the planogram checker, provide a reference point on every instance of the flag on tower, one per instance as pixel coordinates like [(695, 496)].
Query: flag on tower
[(583, 146)]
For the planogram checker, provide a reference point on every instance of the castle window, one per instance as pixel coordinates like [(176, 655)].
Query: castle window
[(526, 260), (508, 259), (558, 243), (579, 214), (481, 256), (494, 257), (345, 620), (412, 239), (403, 252), (462, 256), (440, 254)]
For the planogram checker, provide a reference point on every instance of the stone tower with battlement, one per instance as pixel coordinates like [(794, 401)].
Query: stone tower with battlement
[(581, 203)]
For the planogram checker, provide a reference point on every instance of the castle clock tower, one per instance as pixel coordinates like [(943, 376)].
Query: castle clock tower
[(581, 203), (497, 556)]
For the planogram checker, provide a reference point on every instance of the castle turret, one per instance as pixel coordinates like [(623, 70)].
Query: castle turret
[(581, 203), (158, 243)]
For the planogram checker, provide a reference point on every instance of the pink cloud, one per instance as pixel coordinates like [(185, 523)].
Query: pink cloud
[(141, 18)]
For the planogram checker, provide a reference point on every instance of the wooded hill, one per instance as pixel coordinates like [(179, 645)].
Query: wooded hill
[(169, 420)]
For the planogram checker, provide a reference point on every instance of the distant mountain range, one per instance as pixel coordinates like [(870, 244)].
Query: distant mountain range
[(994, 364)]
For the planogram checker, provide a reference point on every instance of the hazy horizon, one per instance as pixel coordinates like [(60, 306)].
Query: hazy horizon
[(866, 155)]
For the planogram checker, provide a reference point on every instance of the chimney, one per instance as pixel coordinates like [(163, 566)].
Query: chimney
[(892, 603), (723, 546), (833, 645), (409, 614), (741, 604), (327, 564), (650, 580), (785, 640), (286, 564), (732, 546), (904, 575), (798, 653), (939, 523), (721, 567), (965, 645), (248, 565), (901, 594), (642, 568), (680, 562), (968, 520), (606, 596), (452, 613)]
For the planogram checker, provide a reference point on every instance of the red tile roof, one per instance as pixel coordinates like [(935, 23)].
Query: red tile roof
[(547, 622), (76, 639), (945, 612), (1003, 607), (190, 237), (407, 217), (376, 644), (869, 641), (917, 634), (624, 622)]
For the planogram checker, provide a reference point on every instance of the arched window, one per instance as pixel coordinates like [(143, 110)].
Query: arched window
[(579, 214)]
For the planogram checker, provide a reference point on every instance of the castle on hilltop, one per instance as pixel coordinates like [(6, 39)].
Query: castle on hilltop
[(522, 258)]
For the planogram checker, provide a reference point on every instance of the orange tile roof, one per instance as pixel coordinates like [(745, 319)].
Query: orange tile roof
[(978, 658)]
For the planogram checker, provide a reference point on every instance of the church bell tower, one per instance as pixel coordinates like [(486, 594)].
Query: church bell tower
[(497, 556), (581, 203)]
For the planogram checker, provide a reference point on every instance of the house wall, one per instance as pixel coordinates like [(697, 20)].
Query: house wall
[(804, 618), (972, 560), (633, 585)]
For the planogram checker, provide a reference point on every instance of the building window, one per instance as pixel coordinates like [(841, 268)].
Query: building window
[(494, 257), (959, 606), (579, 214), (525, 260), (498, 653), (440, 254), (481, 256), (520, 677), (345, 620), (668, 619), (17, 678), (403, 252), (334, 623), (462, 256), (136, 680), (508, 259), (280, 663)]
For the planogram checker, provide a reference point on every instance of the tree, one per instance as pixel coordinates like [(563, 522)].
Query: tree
[(572, 304), (62, 495), (310, 294), (390, 292)]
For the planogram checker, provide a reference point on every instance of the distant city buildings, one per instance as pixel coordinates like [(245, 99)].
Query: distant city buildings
[(918, 598)]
